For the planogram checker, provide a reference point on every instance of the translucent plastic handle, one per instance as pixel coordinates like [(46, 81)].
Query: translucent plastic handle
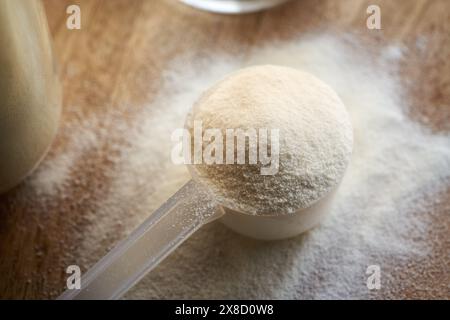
[(180, 216)]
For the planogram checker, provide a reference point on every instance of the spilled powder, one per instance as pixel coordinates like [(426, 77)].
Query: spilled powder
[(54, 174), (380, 216)]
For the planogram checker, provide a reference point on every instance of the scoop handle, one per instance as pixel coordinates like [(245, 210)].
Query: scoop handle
[(180, 216)]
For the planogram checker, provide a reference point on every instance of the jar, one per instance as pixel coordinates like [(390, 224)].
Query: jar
[(30, 92), (233, 6)]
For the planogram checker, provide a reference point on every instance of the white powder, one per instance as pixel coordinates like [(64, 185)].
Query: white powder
[(54, 174), (315, 138), (382, 214)]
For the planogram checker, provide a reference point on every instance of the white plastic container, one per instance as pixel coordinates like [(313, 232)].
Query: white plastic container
[(30, 93), (233, 6)]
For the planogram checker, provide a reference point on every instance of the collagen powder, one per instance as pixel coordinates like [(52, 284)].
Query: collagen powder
[(313, 141)]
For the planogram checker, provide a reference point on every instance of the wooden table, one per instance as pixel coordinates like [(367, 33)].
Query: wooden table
[(35, 239)]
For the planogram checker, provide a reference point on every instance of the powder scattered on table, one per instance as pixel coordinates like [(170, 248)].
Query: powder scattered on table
[(380, 216)]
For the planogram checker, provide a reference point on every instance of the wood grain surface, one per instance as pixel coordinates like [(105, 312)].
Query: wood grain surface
[(117, 59)]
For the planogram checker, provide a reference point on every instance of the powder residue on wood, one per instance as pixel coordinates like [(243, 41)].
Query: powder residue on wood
[(381, 215)]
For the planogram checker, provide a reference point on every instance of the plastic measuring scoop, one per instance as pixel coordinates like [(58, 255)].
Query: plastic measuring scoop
[(179, 217), (195, 205)]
